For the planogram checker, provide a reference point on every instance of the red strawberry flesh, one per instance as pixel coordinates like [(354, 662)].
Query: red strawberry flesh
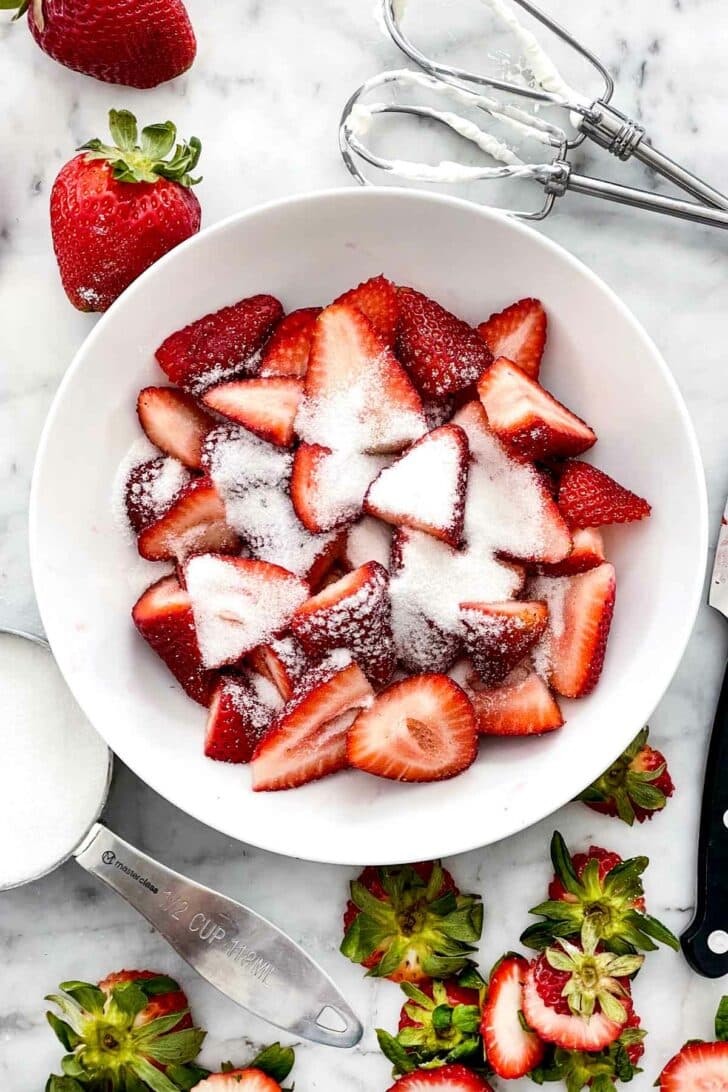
[(518, 333), (163, 616), (175, 423)]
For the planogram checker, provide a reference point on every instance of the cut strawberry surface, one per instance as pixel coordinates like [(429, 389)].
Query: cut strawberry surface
[(283, 662), (238, 1080), (239, 603), (267, 407), (421, 729), (352, 613), (308, 738), (590, 498), (636, 786), (527, 418), (194, 522), (498, 635), (587, 553), (377, 299), (238, 719), (510, 1049), (287, 351), (564, 1028), (151, 489), (425, 487), (521, 706), (446, 1078), (697, 1067), (328, 487), (163, 616), (519, 333), (410, 923), (175, 423), (220, 345), (441, 352), (605, 1069)]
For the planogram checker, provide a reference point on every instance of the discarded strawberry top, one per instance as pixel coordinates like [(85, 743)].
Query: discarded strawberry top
[(365, 480)]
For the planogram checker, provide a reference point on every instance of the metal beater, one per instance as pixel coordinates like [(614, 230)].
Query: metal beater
[(591, 118)]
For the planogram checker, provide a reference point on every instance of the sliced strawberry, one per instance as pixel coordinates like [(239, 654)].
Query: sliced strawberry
[(590, 498), (510, 1050), (283, 662), (308, 497), (425, 487), (194, 523), (586, 553), (151, 489), (519, 333), (358, 396), (353, 613), (267, 407), (562, 1028), (438, 411), (326, 562), (237, 720), (238, 1080), (175, 423), (421, 729), (239, 603), (498, 635), (446, 1078), (580, 615), (220, 345), (163, 616), (328, 487), (441, 352), (522, 706), (697, 1066), (527, 418), (287, 351), (308, 738), (377, 298)]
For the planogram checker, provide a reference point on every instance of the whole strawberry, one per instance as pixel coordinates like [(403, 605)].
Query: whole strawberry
[(636, 786), (139, 43), (116, 209)]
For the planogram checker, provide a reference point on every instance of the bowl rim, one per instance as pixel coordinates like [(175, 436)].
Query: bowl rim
[(444, 845)]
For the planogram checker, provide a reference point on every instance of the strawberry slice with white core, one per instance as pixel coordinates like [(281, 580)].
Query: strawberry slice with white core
[(498, 635), (352, 613), (307, 740), (283, 662), (377, 299), (267, 407), (523, 705), (163, 616), (238, 1080), (358, 397), (510, 1050), (519, 333), (368, 540), (587, 552), (240, 713), (527, 418), (425, 487), (441, 352), (571, 653), (328, 487), (195, 522), (699, 1067), (420, 729), (446, 1078), (239, 603), (287, 351), (151, 489), (175, 423), (564, 1029)]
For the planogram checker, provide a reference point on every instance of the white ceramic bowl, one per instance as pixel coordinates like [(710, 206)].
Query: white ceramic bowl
[(307, 250)]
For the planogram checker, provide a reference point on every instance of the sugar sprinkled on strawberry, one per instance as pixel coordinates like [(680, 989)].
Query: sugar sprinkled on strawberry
[(522, 705), (151, 489), (241, 711)]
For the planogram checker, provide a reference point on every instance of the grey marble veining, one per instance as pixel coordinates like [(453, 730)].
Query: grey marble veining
[(265, 95)]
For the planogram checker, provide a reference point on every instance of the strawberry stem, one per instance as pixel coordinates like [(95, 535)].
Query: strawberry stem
[(154, 156)]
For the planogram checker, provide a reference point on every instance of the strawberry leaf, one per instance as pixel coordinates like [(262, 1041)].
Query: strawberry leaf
[(721, 1021), (275, 1060), (89, 997), (63, 1031), (156, 158), (179, 1046)]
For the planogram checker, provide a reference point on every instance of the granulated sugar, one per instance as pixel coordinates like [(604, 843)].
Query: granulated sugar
[(552, 590), (237, 459), (424, 483), (55, 764), (342, 479), (368, 540)]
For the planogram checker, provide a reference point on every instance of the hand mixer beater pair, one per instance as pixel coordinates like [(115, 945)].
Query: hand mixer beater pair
[(540, 92)]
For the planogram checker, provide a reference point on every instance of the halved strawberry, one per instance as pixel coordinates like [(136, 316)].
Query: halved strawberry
[(282, 661), (519, 333), (441, 352), (590, 498), (697, 1066), (521, 706), (151, 489), (287, 351), (446, 1078), (586, 553), (174, 422), (163, 616), (425, 487), (420, 729), (563, 1028), (510, 1049), (377, 298), (267, 407), (527, 418), (239, 603), (220, 345), (308, 738), (237, 720), (580, 616), (238, 1080), (352, 613), (498, 635), (194, 523)]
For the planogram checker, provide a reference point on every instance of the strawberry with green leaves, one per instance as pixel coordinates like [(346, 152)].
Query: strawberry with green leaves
[(410, 922), (599, 891), (600, 1070), (636, 786), (698, 1065)]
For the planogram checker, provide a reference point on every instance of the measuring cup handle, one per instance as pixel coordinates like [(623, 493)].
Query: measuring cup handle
[(243, 955)]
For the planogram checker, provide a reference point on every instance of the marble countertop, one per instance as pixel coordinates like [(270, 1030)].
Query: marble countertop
[(265, 95)]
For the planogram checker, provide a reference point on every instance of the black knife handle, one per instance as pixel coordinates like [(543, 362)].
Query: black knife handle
[(705, 941)]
